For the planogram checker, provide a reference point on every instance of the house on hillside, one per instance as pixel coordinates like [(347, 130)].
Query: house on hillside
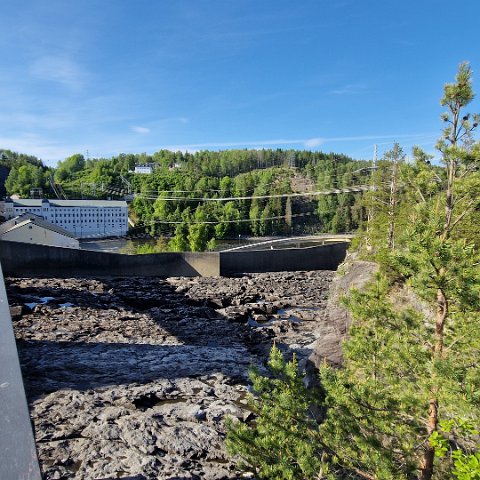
[(29, 228), (145, 169)]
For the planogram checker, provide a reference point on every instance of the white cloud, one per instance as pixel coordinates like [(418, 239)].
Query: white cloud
[(141, 130), (314, 142), (59, 69)]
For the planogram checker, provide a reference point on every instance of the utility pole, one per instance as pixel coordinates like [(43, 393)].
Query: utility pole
[(370, 210), (396, 156)]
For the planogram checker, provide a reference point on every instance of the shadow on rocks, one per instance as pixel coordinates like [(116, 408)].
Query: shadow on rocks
[(51, 366)]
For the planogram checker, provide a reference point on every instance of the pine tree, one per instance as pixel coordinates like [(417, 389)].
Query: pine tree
[(283, 443), (409, 369), (441, 268)]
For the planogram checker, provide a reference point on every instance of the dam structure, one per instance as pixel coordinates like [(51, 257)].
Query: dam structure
[(19, 259)]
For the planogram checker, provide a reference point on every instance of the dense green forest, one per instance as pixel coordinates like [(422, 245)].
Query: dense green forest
[(26, 172), (195, 199), (406, 403)]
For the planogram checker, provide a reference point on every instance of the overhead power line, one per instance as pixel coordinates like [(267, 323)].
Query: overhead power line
[(155, 191), (214, 222), (332, 191)]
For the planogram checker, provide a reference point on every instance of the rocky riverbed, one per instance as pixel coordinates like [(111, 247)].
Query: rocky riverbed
[(133, 377)]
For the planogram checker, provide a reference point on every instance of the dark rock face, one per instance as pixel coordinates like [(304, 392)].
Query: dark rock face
[(354, 274), (133, 378)]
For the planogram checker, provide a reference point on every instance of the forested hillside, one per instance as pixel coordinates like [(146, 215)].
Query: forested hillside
[(198, 198)]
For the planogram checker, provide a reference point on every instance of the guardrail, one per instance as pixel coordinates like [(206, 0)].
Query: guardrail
[(18, 455)]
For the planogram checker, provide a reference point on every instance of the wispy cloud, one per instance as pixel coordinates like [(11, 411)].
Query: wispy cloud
[(171, 120), (350, 89), (246, 143), (59, 69), (307, 143), (141, 130), (159, 125), (394, 137)]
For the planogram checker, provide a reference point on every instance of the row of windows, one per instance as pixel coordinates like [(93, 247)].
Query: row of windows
[(28, 209), (59, 209), (71, 223), (73, 215), (55, 220), (62, 213)]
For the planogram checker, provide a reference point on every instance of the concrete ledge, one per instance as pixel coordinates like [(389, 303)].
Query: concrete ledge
[(18, 455)]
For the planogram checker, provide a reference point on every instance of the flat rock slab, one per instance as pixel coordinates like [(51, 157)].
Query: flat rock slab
[(133, 378)]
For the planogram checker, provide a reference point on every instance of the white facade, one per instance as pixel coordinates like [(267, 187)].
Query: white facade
[(82, 218), (36, 231), (145, 169)]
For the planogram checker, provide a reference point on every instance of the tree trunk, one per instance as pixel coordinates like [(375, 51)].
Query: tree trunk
[(432, 425), (429, 452), (392, 206)]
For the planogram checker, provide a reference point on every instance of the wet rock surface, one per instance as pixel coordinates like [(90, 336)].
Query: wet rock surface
[(133, 377)]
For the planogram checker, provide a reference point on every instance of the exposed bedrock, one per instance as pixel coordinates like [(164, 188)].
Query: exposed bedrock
[(133, 378)]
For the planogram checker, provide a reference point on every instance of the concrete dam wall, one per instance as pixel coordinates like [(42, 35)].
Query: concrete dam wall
[(21, 259), (322, 257)]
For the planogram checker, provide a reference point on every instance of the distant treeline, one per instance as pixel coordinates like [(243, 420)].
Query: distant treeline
[(177, 199)]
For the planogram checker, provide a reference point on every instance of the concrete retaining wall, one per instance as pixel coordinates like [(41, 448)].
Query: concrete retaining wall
[(18, 456), (20, 259), (322, 257), (23, 259)]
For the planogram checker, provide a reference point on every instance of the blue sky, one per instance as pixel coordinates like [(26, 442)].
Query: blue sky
[(112, 76)]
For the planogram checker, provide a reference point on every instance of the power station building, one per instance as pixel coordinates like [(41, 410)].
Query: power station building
[(82, 218)]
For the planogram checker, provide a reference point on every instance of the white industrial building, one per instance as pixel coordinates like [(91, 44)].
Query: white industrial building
[(82, 218), (29, 228)]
